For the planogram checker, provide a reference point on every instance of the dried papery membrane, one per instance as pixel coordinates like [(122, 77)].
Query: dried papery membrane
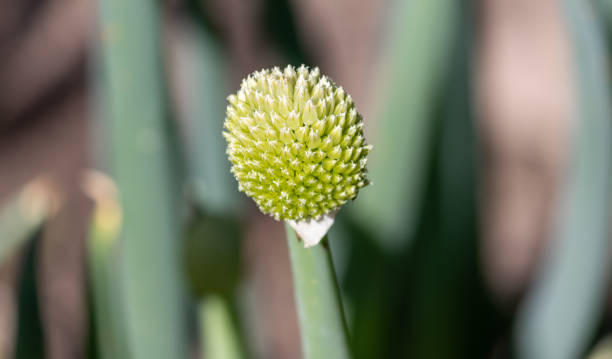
[(311, 231)]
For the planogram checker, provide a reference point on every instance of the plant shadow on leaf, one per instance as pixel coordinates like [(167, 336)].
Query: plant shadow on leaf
[(212, 253), (427, 299), (30, 341), (212, 258)]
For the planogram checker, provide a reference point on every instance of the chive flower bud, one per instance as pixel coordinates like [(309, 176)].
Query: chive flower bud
[(296, 143)]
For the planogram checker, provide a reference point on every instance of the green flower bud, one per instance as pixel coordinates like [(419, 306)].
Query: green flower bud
[(296, 144)]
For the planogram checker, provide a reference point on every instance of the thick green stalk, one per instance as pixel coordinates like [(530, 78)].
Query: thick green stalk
[(218, 333), (139, 153), (319, 306)]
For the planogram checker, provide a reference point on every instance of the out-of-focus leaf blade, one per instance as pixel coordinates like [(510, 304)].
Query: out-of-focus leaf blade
[(102, 260), (30, 339), (416, 60), (604, 9), (200, 81), (219, 337), (140, 154), (444, 261), (603, 349), (22, 214), (561, 313)]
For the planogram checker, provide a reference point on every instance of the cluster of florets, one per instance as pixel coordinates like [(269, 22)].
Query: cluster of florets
[(296, 143)]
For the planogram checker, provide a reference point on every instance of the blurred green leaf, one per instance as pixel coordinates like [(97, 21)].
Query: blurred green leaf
[(102, 248), (415, 66), (370, 282), (140, 155), (30, 342), (212, 247), (603, 349), (604, 10), (428, 300), (560, 314), (200, 80), (22, 215), (280, 28), (220, 339), (212, 255), (449, 315)]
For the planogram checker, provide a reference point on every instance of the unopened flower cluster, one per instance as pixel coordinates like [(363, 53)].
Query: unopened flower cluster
[(296, 143)]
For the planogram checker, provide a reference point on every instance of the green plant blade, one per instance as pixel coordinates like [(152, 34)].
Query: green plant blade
[(561, 313), (30, 341), (102, 261), (139, 152), (200, 78), (442, 268), (322, 324), (421, 38), (603, 349), (22, 215), (101, 265), (604, 10), (220, 339)]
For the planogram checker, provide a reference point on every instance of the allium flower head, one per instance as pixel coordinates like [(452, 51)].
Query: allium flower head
[(296, 143)]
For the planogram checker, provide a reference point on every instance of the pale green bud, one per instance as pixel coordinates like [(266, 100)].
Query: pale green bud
[(310, 113), (296, 143), (293, 120)]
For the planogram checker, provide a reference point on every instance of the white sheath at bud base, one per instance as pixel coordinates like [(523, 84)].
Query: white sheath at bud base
[(296, 144), (313, 230)]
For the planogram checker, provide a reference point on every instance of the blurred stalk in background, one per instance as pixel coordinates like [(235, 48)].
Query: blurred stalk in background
[(30, 340), (199, 78), (219, 338), (108, 333), (24, 213), (139, 152), (419, 39), (448, 313)]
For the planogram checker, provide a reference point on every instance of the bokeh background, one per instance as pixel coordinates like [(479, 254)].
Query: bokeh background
[(485, 233)]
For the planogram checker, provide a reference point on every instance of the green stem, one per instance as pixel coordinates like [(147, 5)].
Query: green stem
[(101, 247), (140, 155), (218, 334), (322, 324)]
